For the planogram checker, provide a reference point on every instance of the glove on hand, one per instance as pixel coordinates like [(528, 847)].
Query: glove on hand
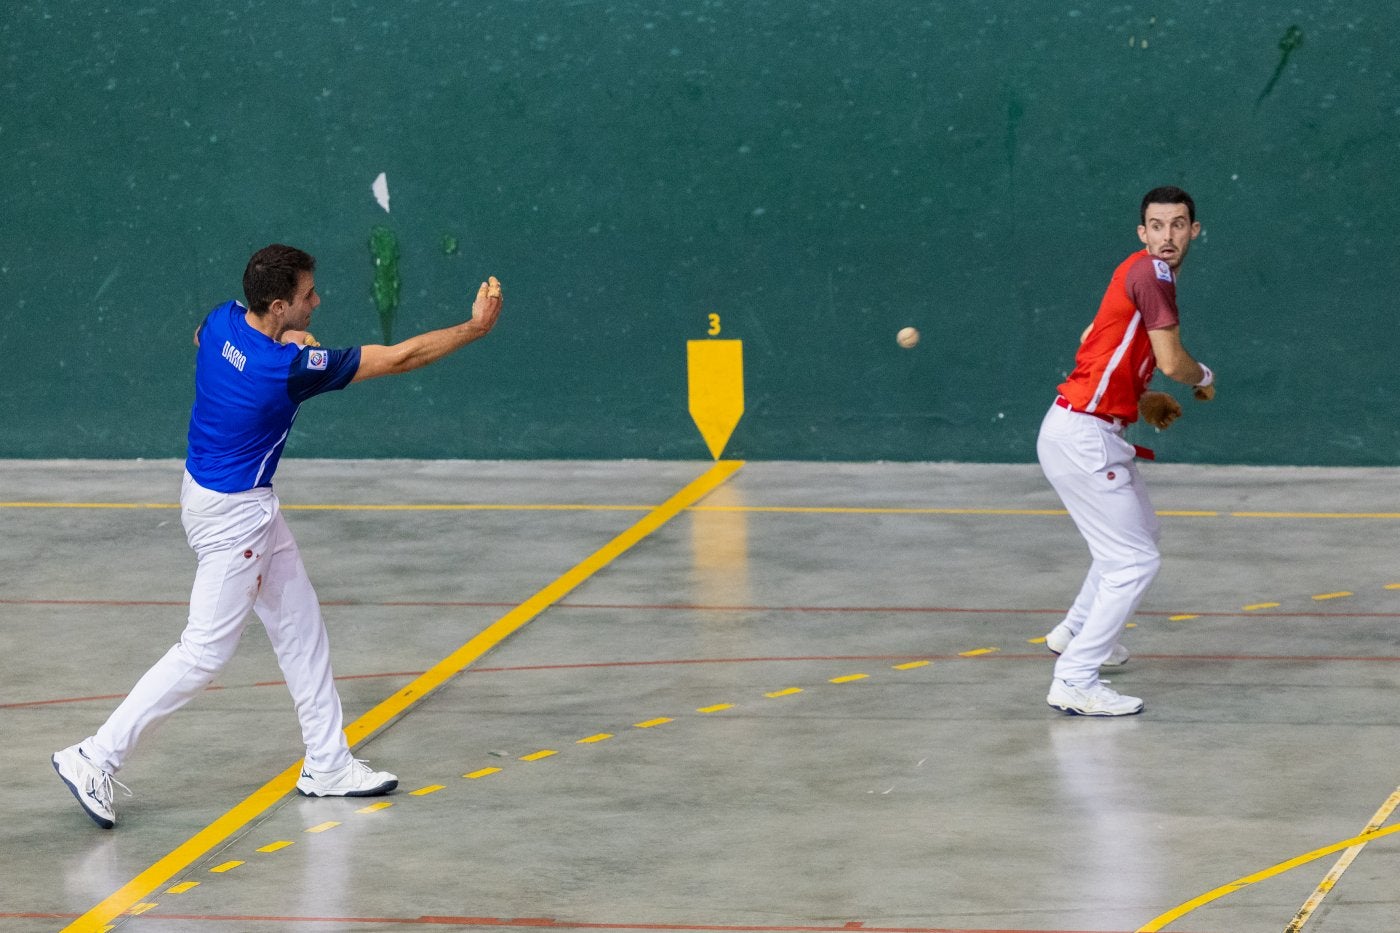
[(1159, 409)]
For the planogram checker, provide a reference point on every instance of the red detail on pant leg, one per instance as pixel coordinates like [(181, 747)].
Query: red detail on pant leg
[(247, 555), (1111, 474)]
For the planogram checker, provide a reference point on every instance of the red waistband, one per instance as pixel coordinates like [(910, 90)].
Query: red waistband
[(1063, 402)]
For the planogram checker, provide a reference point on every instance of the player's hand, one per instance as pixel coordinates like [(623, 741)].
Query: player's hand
[(1159, 409), (300, 338), (487, 306), (1204, 393)]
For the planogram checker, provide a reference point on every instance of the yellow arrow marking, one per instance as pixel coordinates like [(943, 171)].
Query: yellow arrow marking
[(716, 374)]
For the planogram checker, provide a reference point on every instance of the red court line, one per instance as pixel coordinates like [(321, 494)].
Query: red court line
[(550, 923)]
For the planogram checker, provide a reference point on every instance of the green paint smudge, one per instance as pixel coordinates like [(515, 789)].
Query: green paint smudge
[(449, 245), (384, 248), (1292, 38)]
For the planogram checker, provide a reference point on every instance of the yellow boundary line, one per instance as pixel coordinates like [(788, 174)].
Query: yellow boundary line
[(1329, 880), (130, 894), (1176, 913)]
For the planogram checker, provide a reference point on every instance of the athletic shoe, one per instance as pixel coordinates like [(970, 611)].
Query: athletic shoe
[(1098, 700), (89, 783), (1059, 637), (353, 780)]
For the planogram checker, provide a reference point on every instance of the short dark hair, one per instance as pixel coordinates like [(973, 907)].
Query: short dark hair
[(273, 272), (1168, 194)]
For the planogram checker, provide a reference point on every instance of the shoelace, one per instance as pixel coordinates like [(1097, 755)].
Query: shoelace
[(101, 789)]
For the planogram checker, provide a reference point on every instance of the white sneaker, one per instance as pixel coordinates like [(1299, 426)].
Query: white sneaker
[(353, 780), (1059, 637), (89, 783), (1098, 700)]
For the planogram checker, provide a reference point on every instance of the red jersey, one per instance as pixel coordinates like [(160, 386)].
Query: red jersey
[(1115, 361)]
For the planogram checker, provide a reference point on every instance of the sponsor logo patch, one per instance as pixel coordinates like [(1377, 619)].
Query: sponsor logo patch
[(1164, 271), (317, 359)]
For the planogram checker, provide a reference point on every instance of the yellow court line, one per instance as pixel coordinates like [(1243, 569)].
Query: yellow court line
[(261, 800), (1176, 913), (1329, 881)]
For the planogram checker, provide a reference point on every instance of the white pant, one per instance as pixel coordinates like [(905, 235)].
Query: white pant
[(247, 560), (1093, 470)]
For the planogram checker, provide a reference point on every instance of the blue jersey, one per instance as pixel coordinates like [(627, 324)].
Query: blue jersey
[(247, 388)]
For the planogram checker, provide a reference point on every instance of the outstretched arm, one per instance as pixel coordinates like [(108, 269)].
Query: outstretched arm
[(417, 352)]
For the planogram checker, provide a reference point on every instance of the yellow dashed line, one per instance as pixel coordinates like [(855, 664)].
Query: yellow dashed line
[(138, 909), (226, 866), (481, 773), (182, 887), (1253, 606), (375, 807), (716, 708), (274, 846), (425, 791), (783, 693), (847, 678), (322, 827), (976, 652), (1338, 595), (910, 665), (1182, 618), (600, 737), (536, 756), (660, 720)]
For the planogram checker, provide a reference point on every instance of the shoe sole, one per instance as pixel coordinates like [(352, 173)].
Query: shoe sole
[(1100, 713), (378, 791), (78, 796)]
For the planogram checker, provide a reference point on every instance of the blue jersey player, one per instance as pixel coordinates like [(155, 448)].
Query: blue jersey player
[(254, 367)]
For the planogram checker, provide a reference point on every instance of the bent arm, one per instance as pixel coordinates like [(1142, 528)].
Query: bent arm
[(416, 352), (1172, 358)]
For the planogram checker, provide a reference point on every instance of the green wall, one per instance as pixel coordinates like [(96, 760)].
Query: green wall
[(818, 174)]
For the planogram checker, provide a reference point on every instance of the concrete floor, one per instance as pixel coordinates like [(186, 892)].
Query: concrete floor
[(751, 781)]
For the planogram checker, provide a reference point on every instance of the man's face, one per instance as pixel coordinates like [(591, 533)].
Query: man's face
[(296, 314), (1167, 232)]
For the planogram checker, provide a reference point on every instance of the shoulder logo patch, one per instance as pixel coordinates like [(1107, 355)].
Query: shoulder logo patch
[(1164, 271), (317, 359)]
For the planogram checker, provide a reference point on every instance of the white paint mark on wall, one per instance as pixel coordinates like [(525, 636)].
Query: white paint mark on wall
[(381, 191)]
